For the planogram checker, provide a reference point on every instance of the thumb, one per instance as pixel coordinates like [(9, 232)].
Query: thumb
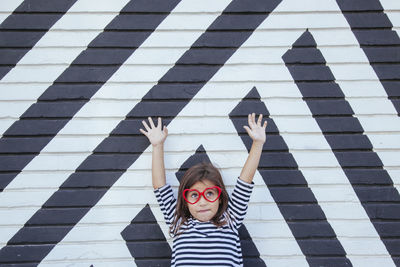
[(247, 130)]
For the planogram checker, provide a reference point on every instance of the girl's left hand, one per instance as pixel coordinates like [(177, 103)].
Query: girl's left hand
[(256, 131)]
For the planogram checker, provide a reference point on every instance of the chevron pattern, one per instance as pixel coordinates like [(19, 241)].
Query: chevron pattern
[(77, 77)]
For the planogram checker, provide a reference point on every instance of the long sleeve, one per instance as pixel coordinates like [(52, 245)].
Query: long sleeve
[(167, 202), (238, 202)]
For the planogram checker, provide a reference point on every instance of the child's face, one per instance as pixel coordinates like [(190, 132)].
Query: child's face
[(203, 210)]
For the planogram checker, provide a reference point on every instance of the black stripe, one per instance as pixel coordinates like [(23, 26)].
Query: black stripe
[(251, 255), (290, 190), (380, 43), (200, 156), (20, 31), (188, 238), (353, 150), (103, 161), (144, 239), (44, 119)]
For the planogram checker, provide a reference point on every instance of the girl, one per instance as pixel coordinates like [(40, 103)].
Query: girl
[(204, 223)]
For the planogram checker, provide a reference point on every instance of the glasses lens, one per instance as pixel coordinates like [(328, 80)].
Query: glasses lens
[(192, 196), (211, 194)]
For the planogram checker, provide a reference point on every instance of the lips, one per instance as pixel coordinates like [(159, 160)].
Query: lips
[(202, 211)]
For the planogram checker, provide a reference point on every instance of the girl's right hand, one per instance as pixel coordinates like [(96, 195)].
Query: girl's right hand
[(155, 135)]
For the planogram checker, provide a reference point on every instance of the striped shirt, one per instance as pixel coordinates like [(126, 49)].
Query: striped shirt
[(203, 243)]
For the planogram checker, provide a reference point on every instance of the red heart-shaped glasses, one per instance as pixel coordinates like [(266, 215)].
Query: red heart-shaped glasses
[(211, 194)]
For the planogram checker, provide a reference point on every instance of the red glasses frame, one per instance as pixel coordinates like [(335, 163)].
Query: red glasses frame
[(201, 194)]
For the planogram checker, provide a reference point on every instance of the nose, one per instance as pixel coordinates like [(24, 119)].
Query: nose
[(202, 201)]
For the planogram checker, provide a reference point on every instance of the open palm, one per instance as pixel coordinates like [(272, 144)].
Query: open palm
[(155, 134), (255, 130)]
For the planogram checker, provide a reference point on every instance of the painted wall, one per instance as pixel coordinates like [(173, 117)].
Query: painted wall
[(78, 76)]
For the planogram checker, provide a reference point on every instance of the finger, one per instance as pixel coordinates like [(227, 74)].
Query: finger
[(253, 120), (143, 131), (265, 125), (165, 130), (250, 122), (159, 122), (259, 120), (151, 123), (145, 125), (247, 130)]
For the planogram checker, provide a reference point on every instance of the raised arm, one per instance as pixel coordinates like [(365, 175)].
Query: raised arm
[(156, 136), (256, 131)]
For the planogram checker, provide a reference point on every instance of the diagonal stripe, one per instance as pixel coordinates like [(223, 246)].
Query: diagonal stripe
[(31, 178), (22, 31), (41, 114), (7, 7), (387, 72), (353, 151), (121, 161), (290, 190), (144, 227), (30, 71), (392, 8), (340, 205), (369, 94)]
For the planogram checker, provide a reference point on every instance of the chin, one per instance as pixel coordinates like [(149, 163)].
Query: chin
[(204, 218)]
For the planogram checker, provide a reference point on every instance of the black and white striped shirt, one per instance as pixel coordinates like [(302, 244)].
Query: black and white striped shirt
[(203, 243)]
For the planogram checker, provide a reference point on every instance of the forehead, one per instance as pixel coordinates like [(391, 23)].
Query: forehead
[(201, 185)]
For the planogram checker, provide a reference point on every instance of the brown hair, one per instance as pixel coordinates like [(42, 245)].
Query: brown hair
[(197, 173)]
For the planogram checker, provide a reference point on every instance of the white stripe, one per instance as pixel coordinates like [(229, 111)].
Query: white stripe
[(192, 241), (215, 263), (13, 86), (91, 262), (392, 10), (7, 8)]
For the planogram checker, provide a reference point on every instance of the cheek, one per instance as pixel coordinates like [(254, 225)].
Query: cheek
[(216, 205), (191, 208)]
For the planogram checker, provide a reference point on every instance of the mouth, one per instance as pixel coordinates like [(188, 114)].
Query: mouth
[(202, 211)]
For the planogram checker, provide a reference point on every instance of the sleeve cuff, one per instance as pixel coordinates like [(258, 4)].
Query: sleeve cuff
[(245, 184), (162, 188)]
